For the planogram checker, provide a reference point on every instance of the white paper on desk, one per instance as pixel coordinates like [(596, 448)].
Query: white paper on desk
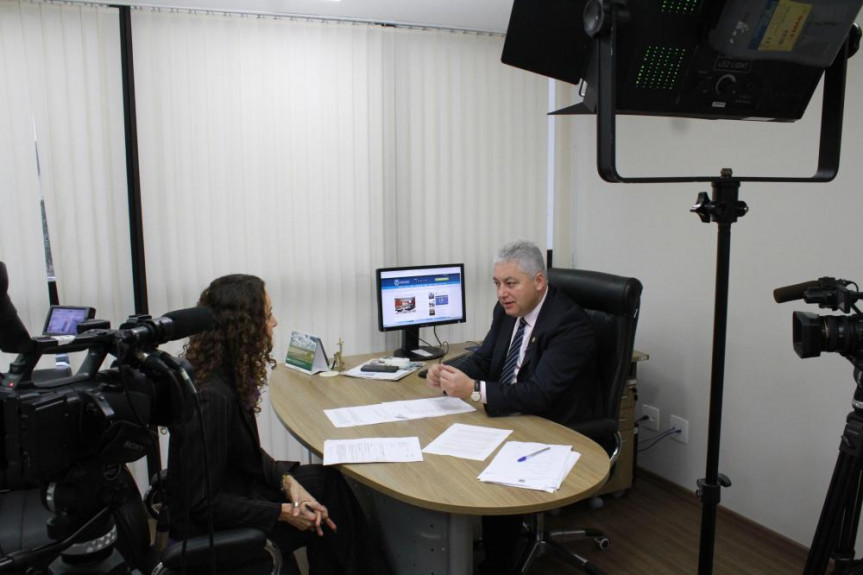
[(359, 415), (467, 441), (545, 471), (372, 450), (382, 375), (433, 407)]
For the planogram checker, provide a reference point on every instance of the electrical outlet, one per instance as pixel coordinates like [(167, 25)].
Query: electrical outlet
[(683, 426), (652, 421)]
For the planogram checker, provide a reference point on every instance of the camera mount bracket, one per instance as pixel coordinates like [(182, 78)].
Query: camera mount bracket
[(724, 208)]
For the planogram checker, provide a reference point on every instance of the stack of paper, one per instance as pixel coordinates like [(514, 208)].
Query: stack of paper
[(531, 465)]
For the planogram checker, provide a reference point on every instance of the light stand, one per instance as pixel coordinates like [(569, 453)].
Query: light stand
[(602, 23), (724, 209)]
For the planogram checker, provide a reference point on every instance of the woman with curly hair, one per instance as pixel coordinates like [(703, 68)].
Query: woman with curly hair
[(296, 505)]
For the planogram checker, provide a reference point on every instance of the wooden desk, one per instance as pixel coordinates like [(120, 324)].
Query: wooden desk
[(440, 484)]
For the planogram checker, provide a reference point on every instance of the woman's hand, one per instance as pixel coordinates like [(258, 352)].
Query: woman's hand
[(304, 512)]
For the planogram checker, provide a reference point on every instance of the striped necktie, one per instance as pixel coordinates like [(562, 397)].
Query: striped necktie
[(508, 373)]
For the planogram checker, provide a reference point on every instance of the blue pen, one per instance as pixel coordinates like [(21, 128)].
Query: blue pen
[(529, 455)]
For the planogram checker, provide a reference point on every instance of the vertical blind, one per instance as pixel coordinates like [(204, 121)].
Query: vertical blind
[(61, 95), (309, 153), (21, 245)]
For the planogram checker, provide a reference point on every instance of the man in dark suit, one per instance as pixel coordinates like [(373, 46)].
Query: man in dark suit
[(539, 357)]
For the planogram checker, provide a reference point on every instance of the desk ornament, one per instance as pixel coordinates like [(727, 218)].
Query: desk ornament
[(338, 364)]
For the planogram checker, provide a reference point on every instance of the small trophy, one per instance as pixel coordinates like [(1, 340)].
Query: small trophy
[(338, 363)]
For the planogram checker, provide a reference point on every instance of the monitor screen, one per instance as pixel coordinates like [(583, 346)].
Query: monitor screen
[(64, 320), (412, 297)]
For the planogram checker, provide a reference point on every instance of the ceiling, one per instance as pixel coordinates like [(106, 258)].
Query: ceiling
[(482, 15)]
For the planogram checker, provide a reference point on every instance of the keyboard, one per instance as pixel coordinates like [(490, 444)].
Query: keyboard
[(457, 361)]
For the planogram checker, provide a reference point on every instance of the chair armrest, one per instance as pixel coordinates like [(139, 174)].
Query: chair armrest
[(227, 545), (605, 432), (599, 430)]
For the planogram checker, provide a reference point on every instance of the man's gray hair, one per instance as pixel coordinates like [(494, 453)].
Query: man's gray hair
[(526, 254)]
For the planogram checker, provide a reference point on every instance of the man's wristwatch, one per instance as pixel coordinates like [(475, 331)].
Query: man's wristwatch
[(475, 396)]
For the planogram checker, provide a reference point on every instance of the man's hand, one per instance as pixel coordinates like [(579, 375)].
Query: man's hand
[(453, 381), (433, 376)]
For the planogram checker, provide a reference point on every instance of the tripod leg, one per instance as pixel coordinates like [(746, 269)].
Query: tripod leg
[(843, 555), (842, 502)]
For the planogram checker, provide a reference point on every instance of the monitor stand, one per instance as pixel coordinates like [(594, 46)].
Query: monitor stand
[(412, 349)]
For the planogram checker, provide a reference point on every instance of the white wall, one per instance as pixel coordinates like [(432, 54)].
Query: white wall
[(782, 415)]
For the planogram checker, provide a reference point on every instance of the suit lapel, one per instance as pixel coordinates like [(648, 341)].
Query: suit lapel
[(545, 313)]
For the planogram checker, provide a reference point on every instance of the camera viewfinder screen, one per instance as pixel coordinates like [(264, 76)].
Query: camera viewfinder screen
[(64, 320)]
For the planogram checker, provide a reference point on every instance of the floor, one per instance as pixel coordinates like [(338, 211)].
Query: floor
[(655, 529)]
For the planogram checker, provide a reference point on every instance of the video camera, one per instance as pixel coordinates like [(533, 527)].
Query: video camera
[(811, 333), (71, 434)]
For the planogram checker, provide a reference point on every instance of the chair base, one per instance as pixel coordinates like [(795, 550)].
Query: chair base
[(543, 543)]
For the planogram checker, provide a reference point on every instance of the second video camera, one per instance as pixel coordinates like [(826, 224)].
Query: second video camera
[(814, 333)]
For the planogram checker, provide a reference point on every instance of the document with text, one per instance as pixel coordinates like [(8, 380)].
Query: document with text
[(396, 411), (531, 465), (434, 407), (360, 415), (467, 441), (372, 450)]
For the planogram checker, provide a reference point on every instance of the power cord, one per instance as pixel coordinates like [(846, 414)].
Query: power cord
[(444, 345), (664, 435)]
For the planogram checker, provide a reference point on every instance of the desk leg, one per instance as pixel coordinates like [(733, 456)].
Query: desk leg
[(419, 541), (460, 550)]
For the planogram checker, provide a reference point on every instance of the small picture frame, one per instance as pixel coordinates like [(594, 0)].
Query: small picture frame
[(306, 353)]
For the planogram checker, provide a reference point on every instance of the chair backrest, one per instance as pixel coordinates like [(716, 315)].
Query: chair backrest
[(612, 302)]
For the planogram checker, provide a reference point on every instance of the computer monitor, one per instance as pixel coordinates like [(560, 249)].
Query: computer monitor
[(411, 297)]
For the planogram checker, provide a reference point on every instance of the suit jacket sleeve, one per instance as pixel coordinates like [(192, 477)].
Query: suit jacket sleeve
[(273, 470)]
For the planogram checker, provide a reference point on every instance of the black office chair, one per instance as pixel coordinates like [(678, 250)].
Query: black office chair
[(612, 302), (258, 553)]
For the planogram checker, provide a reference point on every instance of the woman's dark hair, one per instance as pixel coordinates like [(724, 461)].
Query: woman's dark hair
[(239, 343)]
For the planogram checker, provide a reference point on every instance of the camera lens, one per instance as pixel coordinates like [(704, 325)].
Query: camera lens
[(813, 334), (807, 334)]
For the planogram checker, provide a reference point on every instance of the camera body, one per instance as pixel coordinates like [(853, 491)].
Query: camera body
[(812, 333), (93, 416), (70, 435)]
